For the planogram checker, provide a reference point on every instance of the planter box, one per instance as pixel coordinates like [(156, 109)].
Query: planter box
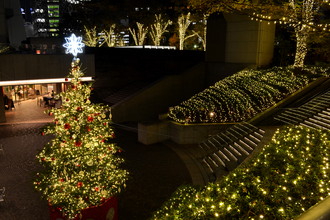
[(106, 211)]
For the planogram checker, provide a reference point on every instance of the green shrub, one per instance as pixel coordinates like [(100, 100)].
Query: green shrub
[(243, 95), (289, 176)]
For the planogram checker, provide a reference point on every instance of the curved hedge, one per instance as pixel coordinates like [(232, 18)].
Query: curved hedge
[(243, 95), (289, 176)]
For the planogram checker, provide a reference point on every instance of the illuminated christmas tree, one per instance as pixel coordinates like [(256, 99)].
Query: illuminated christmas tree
[(82, 166)]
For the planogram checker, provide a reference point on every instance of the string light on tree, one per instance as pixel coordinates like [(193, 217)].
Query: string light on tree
[(81, 163), (302, 15), (158, 28), (183, 23), (140, 34)]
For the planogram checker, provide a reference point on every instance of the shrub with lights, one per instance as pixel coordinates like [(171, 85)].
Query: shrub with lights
[(243, 95), (81, 163), (289, 176)]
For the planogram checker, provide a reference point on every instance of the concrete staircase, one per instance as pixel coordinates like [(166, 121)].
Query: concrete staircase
[(226, 150), (313, 114)]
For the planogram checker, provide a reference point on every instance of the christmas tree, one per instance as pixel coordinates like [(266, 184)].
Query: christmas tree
[(81, 163)]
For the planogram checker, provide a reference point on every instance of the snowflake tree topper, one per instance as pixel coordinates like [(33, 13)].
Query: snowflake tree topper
[(73, 45)]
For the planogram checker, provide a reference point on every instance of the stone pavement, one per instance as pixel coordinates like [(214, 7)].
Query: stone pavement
[(155, 170)]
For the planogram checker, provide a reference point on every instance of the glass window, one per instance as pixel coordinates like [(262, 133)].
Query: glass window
[(53, 22), (53, 10)]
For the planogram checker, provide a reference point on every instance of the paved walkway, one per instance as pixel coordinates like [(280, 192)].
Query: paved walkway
[(27, 112), (155, 170)]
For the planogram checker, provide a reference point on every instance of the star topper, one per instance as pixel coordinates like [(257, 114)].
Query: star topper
[(73, 45)]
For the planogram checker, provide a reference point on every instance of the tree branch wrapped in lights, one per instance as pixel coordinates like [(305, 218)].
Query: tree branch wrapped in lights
[(303, 15)]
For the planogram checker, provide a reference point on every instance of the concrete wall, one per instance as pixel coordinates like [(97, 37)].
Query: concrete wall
[(151, 133), (248, 41), (235, 38), (154, 100), (31, 66)]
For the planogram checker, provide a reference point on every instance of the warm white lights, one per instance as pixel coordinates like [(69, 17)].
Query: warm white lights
[(40, 81)]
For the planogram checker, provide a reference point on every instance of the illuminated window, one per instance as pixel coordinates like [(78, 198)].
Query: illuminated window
[(53, 10), (39, 10), (53, 30), (53, 23)]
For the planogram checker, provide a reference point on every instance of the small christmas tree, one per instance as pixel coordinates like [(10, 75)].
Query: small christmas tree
[(82, 166)]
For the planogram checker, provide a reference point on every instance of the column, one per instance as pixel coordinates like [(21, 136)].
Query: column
[(2, 107)]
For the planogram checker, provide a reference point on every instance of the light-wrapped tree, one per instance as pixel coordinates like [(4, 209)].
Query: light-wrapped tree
[(158, 28), (183, 24), (139, 36), (91, 37), (109, 36), (81, 163), (302, 15)]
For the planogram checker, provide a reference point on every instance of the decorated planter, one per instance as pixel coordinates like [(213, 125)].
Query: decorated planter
[(106, 211)]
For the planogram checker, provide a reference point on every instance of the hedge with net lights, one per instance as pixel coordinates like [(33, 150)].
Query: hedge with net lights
[(243, 95), (290, 175)]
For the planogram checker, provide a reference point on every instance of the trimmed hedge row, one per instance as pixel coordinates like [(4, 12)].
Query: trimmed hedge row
[(243, 95)]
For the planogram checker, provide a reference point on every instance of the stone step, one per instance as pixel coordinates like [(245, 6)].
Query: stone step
[(311, 124), (322, 119), (300, 111), (327, 116), (241, 149), (286, 119), (319, 123)]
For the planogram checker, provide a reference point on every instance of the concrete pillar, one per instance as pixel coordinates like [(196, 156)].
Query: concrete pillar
[(216, 38), (2, 107)]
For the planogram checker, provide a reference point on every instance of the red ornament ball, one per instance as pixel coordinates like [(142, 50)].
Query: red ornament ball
[(67, 126), (79, 184), (66, 79), (78, 143), (90, 118)]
